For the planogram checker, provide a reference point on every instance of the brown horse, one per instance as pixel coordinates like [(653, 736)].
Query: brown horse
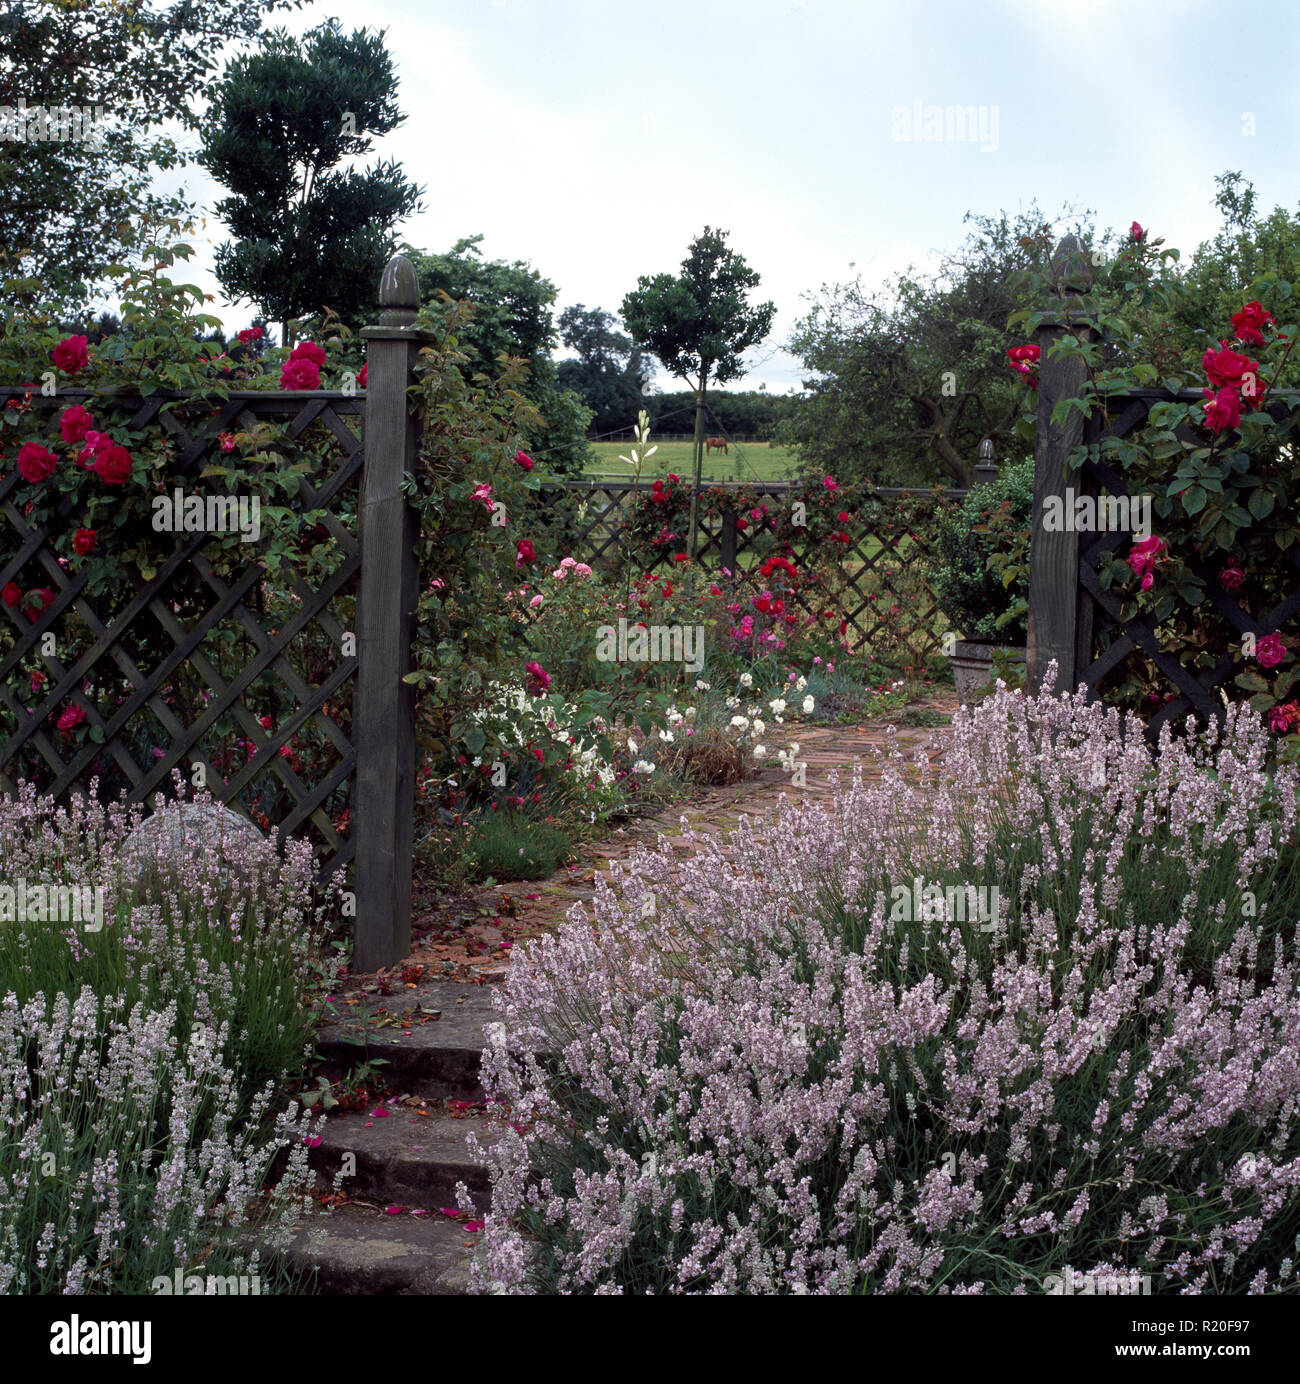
[(711, 442)]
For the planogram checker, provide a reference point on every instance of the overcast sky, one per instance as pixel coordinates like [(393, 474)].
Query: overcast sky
[(593, 140)]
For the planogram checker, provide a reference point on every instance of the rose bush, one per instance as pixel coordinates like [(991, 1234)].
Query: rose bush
[(1218, 458)]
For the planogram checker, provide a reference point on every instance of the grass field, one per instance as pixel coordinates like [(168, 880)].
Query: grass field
[(751, 461)]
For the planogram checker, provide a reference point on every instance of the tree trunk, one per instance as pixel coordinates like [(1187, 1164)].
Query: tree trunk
[(699, 460)]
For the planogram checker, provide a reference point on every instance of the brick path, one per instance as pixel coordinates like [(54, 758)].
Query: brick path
[(468, 938)]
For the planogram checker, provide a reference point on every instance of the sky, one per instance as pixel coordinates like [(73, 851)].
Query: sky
[(594, 140)]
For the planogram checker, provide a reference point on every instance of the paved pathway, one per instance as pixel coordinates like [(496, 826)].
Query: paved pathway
[(469, 937)]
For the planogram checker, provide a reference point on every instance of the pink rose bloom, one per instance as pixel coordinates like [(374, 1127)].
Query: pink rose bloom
[(71, 355), (1136, 231), (538, 678), (536, 601), (308, 350), (483, 492), (1270, 651), (559, 574), (299, 374), (113, 465), (74, 423), (1232, 577), (581, 569), (524, 460), (1279, 719), (1222, 409), (1226, 368), (831, 483), (73, 716), (567, 562), (1148, 581), (36, 463), (1142, 557), (1249, 322)]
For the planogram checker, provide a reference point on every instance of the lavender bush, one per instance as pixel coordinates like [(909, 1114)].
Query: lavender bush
[(144, 1054), (770, 1071)]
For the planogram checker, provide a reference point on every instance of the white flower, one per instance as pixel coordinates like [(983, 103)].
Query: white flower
[(777, 706), (746, 679), (477, 760), (759, 751), (759, 727), (643, 766), (808, 704), (690, 713), (740, 722), (801, 684), (666, 736), (732, 703), (631, 745), (704, 687)]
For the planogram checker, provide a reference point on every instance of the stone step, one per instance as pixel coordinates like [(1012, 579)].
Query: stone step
[(403, 1158), (359, 1250), (437, 1058)]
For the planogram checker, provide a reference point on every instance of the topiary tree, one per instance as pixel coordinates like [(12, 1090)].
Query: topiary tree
[(309, 235)]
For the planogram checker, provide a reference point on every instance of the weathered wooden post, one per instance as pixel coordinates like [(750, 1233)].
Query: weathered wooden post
[(728, 542), (384, 717), (1054, 555)]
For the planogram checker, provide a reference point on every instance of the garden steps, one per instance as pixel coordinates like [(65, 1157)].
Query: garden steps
[(359, 1249), (410, 1155), (408, 1148), (437, 1058)]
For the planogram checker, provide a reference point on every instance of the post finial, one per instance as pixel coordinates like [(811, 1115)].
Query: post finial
[(399, 293), (986, 471), (1071, 267)]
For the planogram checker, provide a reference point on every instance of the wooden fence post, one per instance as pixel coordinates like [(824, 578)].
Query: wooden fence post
[(1054, 556), (728, 541), (384, 716)]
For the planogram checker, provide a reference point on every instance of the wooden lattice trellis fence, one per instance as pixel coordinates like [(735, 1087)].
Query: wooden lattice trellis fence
[(1073, 619), (169, 674), (882, 567)]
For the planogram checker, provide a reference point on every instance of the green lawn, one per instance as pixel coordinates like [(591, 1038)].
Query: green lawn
[(750, 461)]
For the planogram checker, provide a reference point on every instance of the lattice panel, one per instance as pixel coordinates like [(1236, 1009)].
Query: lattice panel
[(182, 670), (895, 568)]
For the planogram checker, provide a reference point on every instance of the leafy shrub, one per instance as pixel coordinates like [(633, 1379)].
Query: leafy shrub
[(776, 1073), (966, 585), (508, 845)]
